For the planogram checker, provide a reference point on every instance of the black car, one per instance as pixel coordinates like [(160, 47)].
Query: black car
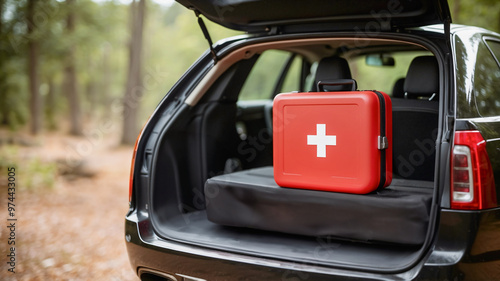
[(438, 220)]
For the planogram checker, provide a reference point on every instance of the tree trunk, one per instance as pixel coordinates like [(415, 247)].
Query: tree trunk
[(3, 93), (134, 89), (34, 84), (71, 80), (90, 92), (105, 96), (50, 104)]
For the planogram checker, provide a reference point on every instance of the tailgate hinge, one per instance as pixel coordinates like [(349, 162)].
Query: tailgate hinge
[(207, 36)]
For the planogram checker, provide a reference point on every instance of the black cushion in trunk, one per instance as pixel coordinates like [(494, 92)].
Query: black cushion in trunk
[(252, 199)]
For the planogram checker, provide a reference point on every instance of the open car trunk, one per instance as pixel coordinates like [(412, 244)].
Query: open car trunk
[(259, 15), (224, 141)]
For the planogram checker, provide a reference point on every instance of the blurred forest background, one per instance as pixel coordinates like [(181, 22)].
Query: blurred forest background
[(69, 65), (74, 65)]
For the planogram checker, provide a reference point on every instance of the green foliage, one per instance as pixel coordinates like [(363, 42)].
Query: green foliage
[(13, 92), (8, 156), (12, 84), (31, 173), (482, 13), (172, 42), (101, 58), (38, 174)]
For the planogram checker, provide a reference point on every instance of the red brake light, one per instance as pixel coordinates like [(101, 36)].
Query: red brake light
[(472, 182), (131, 180), (132, 165)]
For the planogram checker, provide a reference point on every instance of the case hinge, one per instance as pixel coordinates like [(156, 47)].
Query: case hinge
[(382, 143)]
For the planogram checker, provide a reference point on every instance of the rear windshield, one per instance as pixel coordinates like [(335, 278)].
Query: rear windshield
[(369, 76)]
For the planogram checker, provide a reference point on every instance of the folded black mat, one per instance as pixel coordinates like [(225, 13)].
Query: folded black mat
[(252, 199)]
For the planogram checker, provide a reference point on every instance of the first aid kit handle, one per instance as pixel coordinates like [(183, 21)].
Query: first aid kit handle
[(337, 82)]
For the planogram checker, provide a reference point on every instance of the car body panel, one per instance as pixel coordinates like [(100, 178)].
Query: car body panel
[(476, 93)]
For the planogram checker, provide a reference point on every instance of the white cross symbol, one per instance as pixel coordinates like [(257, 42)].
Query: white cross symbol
[(321, 140)]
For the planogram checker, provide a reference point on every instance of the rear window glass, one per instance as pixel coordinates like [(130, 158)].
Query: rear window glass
[(495, 48), (487, 83), (382, 78)]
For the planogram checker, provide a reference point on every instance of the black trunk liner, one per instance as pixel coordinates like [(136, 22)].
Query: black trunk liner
[(194, 228)]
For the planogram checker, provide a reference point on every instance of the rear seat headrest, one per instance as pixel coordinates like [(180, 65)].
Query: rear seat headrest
[(332, 68), (422, 79), (398, 88)]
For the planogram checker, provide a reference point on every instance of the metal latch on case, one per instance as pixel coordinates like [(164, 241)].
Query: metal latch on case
[(382, 143)]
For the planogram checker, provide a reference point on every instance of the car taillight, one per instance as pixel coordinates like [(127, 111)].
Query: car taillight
[(132, 165), (472, 182)]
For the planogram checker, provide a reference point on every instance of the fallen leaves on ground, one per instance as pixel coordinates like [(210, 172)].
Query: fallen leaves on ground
[(74, 230)]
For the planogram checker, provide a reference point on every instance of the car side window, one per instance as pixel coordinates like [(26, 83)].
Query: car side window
[(292, 78), (494, 48), (264, 76), (487, 82)]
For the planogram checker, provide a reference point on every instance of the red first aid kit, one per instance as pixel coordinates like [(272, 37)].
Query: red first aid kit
[(333, 141)]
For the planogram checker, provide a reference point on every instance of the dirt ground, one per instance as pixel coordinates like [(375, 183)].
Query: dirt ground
[(74, 230)]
